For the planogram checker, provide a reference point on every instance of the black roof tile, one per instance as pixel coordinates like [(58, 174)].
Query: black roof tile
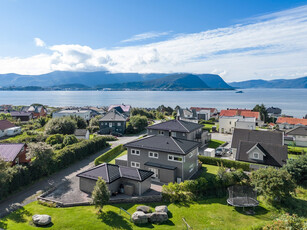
[(176, 126)]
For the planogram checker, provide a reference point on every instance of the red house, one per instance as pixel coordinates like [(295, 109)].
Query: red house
[(14, 153)]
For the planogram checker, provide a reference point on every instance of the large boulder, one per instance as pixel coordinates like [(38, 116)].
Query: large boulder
[(143, 208), (158, 217), (161, 208), (41, 220), (139, 218)]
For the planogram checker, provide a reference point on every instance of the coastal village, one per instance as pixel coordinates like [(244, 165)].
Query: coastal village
[(57, 157)]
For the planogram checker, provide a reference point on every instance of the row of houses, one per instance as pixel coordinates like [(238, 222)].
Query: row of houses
[(26, 113)]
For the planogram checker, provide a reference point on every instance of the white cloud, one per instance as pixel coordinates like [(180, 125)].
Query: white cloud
[(39, 42), (271, 46), (144, 36)]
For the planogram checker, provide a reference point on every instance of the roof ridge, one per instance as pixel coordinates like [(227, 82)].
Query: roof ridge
[(177, 144), (138, 172), (107, 171), (183, 125)]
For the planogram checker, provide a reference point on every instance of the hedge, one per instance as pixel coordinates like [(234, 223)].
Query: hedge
[(226, 163), (111, 154)]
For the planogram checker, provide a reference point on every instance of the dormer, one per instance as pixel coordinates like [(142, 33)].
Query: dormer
[(256, 153)]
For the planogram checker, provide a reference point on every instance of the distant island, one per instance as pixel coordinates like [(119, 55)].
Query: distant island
[(278, 83), (112, 81)]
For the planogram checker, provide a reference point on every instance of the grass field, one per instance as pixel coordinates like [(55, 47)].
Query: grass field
[(298, 149), (121, 154), (215, 143)]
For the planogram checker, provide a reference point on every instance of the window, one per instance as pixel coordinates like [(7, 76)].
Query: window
[(191, 168), (155, 171), (175, 158), (135, 152), (150, 131), (183, 134), (191, 154), (118, 124), (230, 122), (256, 155), (153, 155), (173, 134), (135, 164), (161, 132), (110, 124)]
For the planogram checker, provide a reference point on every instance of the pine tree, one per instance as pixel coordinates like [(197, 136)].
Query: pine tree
[(101, 194)]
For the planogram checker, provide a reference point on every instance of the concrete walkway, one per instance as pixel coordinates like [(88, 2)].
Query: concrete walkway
[(29, 194)]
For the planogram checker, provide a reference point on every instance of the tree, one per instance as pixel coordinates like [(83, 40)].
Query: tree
[(69, 140), (55, 139), (139, 123), (41, 155), (95, 121), (298, 169), (6, 116), (101, 194), (42, 121), (81, 123), (276, 184), (262, 110), (62, 125)]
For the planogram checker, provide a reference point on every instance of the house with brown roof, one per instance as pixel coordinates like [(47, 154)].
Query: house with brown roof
[(7, 128), (259, 147), (36, 110), (14, 153), (290, 122), (244, 113)]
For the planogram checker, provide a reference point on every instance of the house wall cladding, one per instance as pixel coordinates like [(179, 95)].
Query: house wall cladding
[(106, 129)]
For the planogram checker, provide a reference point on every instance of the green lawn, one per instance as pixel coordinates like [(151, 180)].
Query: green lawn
[(215, 143), (298, 149), (205, 214), (294, 156), (211, 125), (121, 154)]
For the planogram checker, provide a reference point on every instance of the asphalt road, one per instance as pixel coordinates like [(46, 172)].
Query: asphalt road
[(29, 194)]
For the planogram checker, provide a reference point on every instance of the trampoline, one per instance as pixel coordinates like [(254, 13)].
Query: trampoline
[(242, 196)]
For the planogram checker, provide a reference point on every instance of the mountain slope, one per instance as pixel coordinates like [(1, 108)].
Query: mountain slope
[(214, 81), (171, 82), (279, 83)]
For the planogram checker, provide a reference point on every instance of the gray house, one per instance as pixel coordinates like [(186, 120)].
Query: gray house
[(259, 147), (113, 122), (189, 115), (181, 130), (170, 159), (297, 136), (120, 179)]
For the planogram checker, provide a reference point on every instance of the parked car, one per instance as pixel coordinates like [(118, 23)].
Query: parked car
[(219, 152)]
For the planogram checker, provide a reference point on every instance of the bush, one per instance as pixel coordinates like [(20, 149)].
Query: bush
[(298, 169), (93, 129), (81, 123), (55, 139), (224, 162), (112, 153), (287, 221), (61, 125), (69, 140), (138, 123)]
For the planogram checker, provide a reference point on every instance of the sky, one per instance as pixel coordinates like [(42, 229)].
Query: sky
[(238, 39)]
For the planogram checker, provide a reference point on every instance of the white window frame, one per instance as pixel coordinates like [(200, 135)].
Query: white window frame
[(183, 134), (152, 155), (191, 168), (191, 154), (256, 154), (135, 164), (173, 134), (172, 158), (135, 152), (119, 124), (160, 132)]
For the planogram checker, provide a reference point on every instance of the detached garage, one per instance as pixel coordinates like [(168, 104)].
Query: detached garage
[(120, 179)]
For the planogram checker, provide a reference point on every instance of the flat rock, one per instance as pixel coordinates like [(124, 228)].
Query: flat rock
[(158, 217), (143, 208), (139, 217), (161, 208), (41, 220)]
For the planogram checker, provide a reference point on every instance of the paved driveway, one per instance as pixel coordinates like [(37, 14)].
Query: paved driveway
[(222, 137), (66, 176)]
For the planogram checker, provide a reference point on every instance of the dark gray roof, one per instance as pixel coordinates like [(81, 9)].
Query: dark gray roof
[(80, 132), (111, 173), (274, 110), (164, 144), (20, 114), (176, 126), (160, 165), (275, 155), (187, 113), (301, 131), (113, 115), (271, 137), (8, 152)]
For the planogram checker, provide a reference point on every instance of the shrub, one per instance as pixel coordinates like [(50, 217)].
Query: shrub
[(95, 121), (298, 169), (224, 162), (81, 123), (55, 139), (287, 221), (101, 194), (93, 129), (138, 123), (275, 184), (69, 140), (61, 125), (112, 153)]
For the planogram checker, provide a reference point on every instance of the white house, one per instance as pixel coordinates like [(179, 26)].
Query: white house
[(228, 124), (85, 114)]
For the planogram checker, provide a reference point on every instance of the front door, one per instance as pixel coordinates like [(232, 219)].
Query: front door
[(155, 176)]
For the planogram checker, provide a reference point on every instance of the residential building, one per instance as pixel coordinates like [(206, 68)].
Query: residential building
[(119, 179), (259, 147), (14, 153), (297, 136), (243, 113), (170, 159), (125, 108), (36, 110), (7, 128), (21, 115), (228, 124), (187, 115), (273, 112), (113, 122), (290, 123), (205, 113), (85, 114), (182, 130), (82, 134)]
